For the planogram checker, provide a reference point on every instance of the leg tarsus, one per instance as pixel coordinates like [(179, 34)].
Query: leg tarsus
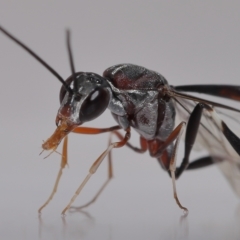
[(172, 167), (77, 193), (53, 192), (110, 175), (94, 198)]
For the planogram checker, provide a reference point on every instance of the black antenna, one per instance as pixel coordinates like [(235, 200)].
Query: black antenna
[(71, 60), (38, 58)]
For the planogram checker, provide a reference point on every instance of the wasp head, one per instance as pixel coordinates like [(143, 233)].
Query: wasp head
[(88, 99)]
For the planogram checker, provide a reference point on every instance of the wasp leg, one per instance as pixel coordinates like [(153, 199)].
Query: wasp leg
[(110, 175), (191, 133), (192, 128), (64, 161), (168, 161), (87, 130), (143, 143), (158, 148), (200, 163), (172, 167), (83, 130), (96, 164), (142, 149)]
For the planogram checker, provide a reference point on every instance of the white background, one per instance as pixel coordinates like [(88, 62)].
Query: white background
[(189, 42)]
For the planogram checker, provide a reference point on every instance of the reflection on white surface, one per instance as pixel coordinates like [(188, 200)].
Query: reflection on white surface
[(123, 211), (83, 226)]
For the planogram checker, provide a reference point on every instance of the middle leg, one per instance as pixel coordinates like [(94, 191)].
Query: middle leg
[(96, 164), (142, 149)]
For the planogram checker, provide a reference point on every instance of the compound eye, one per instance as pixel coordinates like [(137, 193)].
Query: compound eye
[(94, 105)]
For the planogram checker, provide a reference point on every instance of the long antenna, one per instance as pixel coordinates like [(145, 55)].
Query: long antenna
[(37, 58), (71, 59)]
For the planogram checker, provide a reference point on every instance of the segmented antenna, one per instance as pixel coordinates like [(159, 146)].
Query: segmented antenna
[(37, 58)]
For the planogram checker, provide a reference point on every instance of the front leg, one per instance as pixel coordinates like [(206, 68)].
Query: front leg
[(64, 162)]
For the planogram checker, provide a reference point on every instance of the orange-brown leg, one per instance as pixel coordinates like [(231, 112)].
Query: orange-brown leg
[(96, 164), (143, 143), (64, 161), (110, 175), (157, 148), (142, 149), (87, 130), (83, 130)]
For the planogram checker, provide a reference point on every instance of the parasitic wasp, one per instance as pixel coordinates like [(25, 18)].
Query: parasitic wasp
[(142, 99)]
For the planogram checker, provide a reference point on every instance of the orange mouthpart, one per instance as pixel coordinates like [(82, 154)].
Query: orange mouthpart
[(62, 131)]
